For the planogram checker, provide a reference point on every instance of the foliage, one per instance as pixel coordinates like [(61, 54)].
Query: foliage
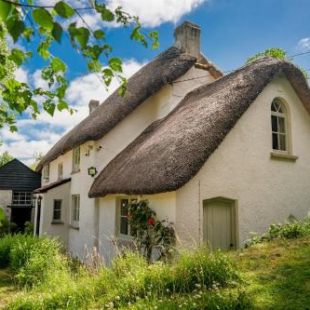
[(29, 228), (38, 156), (5, 157), (148, 232), (292, 229), (6, 227), (26, 23), (277, 53)]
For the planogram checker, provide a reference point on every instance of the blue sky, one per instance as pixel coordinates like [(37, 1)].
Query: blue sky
[(232, 30)]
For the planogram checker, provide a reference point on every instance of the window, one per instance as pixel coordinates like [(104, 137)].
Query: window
[(21, 198), (60, 171), (123, 218), (76, 160), (46, 173), (75, 215), (57, 210), (279, 126)]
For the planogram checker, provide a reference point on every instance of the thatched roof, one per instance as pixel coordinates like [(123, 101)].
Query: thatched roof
[(172, 150), (164, 69)]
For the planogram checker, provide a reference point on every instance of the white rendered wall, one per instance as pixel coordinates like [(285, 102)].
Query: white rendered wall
[(162, 204), (6, 200), (267, 190)]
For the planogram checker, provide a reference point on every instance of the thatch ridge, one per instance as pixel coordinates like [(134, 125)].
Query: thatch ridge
[(164, 69), (171, 151)]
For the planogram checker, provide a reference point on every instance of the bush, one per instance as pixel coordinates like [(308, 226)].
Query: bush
[(5, 249)]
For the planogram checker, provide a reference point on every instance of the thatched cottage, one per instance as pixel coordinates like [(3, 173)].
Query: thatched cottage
[(220, 156), (17, 183)]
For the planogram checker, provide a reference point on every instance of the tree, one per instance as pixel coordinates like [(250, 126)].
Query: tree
[(26, 21), (5, 158), (38, 157), (278, 53)]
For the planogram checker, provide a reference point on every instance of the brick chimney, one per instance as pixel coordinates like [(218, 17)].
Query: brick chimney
[(187, 38), (93, 104)]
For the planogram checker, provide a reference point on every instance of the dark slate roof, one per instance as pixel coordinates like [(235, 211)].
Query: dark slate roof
[(16, 176), (46, 188)]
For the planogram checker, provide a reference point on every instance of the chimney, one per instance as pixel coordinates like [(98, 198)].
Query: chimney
[(187, 38), (93, 104)]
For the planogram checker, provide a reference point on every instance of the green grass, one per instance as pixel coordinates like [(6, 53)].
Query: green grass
[(275, 275)]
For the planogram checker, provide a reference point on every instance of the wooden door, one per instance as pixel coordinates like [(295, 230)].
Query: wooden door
[(219, 229)]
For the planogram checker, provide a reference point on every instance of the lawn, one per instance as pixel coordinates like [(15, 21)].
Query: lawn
[(276, 275)]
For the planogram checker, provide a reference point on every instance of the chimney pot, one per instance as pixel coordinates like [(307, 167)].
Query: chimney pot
[(187, 38), (93, 104)]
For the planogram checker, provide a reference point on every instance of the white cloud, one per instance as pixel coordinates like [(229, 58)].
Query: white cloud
[(21, 75), (304, 44)]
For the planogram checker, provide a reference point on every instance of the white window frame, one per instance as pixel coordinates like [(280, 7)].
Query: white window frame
[(60, 210), (286, 132), (60, 171), (75, 210), (76, 159), (46, 173), (21, 198), (120, 216)]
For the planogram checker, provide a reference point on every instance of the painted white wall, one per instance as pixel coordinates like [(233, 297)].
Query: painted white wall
[(267, 190), (6, 200), (163, 204), (47, 206)]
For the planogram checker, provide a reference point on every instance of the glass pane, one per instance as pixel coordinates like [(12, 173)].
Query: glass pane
[(282, 139), (124, 204), (274, 123), (273, 107), (281, 123), (275, 144), (124, 226)]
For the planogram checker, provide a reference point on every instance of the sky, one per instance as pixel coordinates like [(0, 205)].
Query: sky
[(232, 31)]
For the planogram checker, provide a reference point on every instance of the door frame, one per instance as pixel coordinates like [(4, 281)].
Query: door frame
[(235, 216)]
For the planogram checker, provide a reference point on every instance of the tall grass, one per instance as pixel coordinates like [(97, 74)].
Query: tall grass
[(197, 280)]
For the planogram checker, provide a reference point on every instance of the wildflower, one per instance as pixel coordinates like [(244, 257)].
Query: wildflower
[(151, 221)]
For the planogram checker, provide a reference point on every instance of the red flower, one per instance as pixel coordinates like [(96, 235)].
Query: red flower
[(151, 221), (128, 216)]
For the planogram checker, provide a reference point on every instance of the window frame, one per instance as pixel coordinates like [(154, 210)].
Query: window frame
[(75, 210), (46, 173), (119, 216), (24, 201), (60, 210), (285, 115), (76, 159), (60, 171)]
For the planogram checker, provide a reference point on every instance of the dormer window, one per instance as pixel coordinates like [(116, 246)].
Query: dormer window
[(76, 160), (279, 125), (60, 171)]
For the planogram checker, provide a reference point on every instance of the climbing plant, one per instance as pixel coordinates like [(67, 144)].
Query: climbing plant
[(150, 233), (44, 26)]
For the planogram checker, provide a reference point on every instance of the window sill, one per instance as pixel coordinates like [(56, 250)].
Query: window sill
[(74, 227), (57, 223), (75, 171), (285, 157)]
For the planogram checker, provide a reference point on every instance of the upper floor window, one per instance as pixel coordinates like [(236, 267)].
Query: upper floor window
[(60, 171), (57, 210), (46, 173), (279, 125), (76, 159)]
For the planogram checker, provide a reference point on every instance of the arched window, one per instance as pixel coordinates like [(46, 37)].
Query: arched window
[(279, 119)]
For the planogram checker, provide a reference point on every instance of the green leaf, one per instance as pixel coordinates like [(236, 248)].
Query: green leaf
[(80, 34), (99, 34), (13, 128), (15, 27), (62, 105), (49, 107), (64, 10), (107, 15), (5, 10), (58, 65), (3, 72), (28, 33), (43, 18), (17, 56), (116, 64), (57, 32)]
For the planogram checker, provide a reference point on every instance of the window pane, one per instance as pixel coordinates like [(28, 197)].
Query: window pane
[(275, 144), (124, 226), (281, 123), (274, 123), (273, 107), (282, 139), (124, 208)]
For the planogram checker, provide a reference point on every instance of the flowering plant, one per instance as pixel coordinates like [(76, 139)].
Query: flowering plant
[(148, 232)]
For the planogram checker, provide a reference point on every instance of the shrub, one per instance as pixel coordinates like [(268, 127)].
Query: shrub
[(29, 228), (5, 249)]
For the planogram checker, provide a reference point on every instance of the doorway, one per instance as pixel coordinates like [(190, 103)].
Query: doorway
[(219, 223), (20, 216)]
